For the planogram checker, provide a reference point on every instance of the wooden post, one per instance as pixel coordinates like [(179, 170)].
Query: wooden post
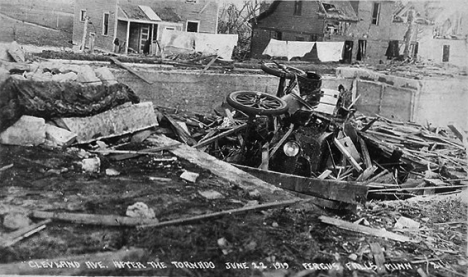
[(127, 38), (85, 31)]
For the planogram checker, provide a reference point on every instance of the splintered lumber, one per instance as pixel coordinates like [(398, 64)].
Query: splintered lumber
[(418, 188), (222, 213), (93, 219), (181, 133), (348, 156), (458, 131), (347, 192), (16, 52), (150, 151), (223, 169), (119, 63), (76, 265), (116, 122), (363, 229), (379, 257), (365, 153), (12, 238), (222, 135)]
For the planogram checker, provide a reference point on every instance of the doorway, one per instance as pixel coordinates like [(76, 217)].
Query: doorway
[(348, 51)]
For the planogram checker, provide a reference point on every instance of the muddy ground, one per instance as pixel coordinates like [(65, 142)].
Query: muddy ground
[(289, 241)]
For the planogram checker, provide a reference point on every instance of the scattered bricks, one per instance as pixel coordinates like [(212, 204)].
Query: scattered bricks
[(28, 130), (59, 136)]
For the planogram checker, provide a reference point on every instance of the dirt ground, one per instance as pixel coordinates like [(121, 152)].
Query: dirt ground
[(289, 241)]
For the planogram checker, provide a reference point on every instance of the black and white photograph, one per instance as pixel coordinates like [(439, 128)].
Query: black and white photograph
[(256, 138)]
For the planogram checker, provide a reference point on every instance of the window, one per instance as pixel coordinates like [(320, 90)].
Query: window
[(192, 26), (375, 13), (446, 53), (105, 24), (276, 35), (82, 15), (298, 7)]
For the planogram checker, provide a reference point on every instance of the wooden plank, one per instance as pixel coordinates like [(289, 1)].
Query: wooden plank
[(180, 132), (379, 257), (223, 170), (347, 192), (16, 52), (348, 156), (365, 153), (116, 122), (325, 108), (11, 238), (222, 135), (458, 131), (222, 213), (363, 229), (94, 219), (77, 264), (117, 62)]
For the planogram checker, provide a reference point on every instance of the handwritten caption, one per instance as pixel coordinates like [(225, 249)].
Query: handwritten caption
[(391, 267)]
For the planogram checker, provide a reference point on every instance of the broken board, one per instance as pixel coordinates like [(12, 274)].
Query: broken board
[(347, 192), (116, 122), (223, 170)]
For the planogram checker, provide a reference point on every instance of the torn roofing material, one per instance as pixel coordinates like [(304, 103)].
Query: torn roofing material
[(340, 10), (146, 13)]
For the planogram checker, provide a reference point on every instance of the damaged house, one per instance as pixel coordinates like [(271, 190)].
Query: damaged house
[(136, 26), (307, 21), (368, 30)]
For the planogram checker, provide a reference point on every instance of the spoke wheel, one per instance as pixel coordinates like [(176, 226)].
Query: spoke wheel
[(257, 103), (288, 72)]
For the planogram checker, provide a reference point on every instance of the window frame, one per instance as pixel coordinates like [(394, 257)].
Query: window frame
[(193, 21), (104, 33), (376, 12), (82, 15), (297, 8)]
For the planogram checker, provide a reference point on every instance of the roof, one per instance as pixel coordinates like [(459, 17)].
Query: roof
[(146, 13), (337, 9), (340, 10)]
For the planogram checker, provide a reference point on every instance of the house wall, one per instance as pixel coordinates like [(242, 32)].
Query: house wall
[(377, 36), (431, 49), (95, 9)]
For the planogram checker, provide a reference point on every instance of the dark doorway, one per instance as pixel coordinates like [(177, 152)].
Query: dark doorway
[(446, 53), (361, 52), (348, 51)]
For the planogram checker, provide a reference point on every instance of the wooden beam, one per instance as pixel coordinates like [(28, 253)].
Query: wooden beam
[(93, 219), (223, 170), (347, 192), (222, 213), (458, 131), (363, 229), (119, 63), (348, 156), (222, 135), (77, 265)]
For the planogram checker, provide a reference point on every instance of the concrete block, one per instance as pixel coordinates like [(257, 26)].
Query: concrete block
[(116, 122), (59, 136), (27, 131)]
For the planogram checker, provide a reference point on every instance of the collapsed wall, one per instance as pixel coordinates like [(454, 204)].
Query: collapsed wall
[(437, 100)]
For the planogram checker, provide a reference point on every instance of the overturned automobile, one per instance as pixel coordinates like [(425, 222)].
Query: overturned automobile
[(291, 132)]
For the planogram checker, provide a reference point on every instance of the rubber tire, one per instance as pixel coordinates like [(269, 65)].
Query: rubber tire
[(280, 73), (256, 111)]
